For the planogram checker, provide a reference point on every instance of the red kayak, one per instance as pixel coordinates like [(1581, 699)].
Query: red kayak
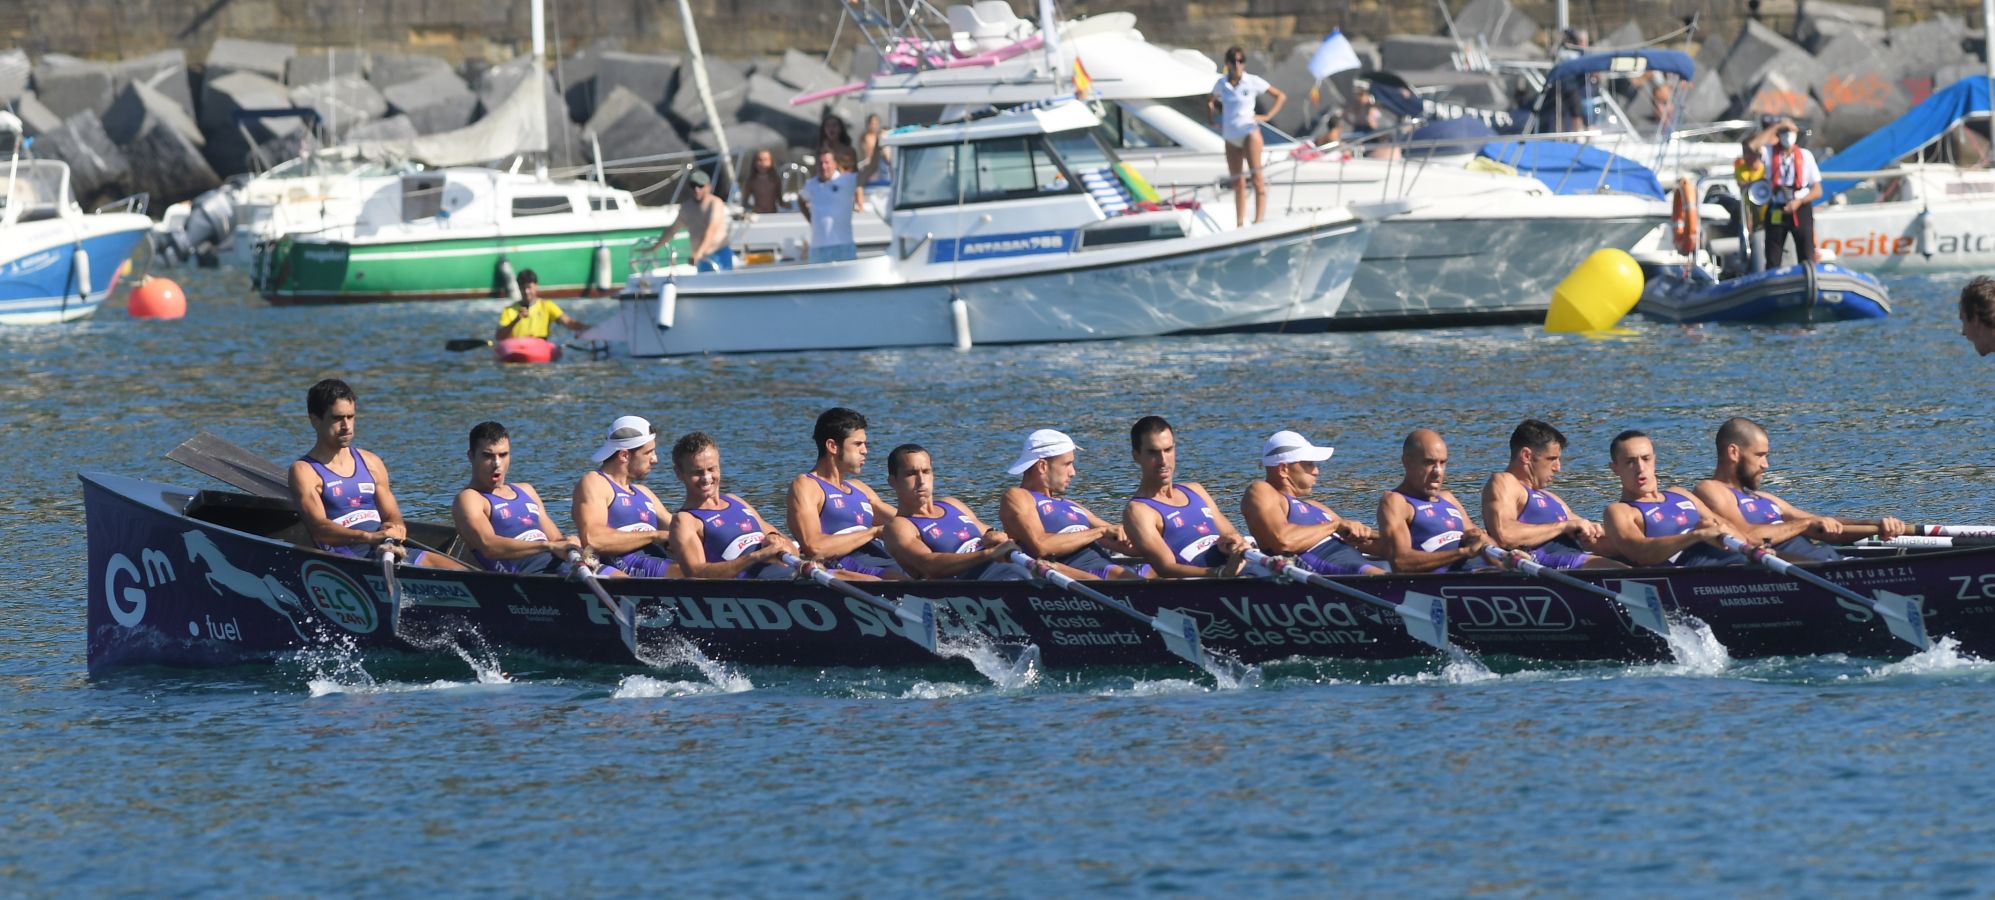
[(527, 350)]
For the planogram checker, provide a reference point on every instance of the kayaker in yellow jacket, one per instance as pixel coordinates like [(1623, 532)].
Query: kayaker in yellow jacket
[(533, 316)]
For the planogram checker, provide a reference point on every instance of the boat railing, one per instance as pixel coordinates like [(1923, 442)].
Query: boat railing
[(135, 203), (1413, 162)]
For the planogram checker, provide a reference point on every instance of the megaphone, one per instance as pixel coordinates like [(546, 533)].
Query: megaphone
[(1759, 193)]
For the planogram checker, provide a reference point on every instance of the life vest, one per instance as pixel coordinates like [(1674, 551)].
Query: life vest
[(1683, 217)]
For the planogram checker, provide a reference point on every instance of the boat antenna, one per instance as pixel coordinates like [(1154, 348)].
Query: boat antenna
[(706, 93), (1049, 36), (539, 76)]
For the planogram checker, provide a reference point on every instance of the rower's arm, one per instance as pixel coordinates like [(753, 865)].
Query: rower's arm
[(1146, 535), (384, 498), (905, 544), (305, 487), (1630, 539), (1018, 515), (1503, 501), (1266, 513), (1725, 505), (805, 501), (472, 514), (1883, 527), (592, 521), (1395, 516), (1231, 541)]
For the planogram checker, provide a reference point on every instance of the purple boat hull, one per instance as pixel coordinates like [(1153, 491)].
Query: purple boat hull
[(185, 577)]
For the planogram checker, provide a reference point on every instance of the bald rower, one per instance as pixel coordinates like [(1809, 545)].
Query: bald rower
[(1733, 493), (1422, 527), (1285, 522), (1522, 513), (1036, 513), (1176, 528), (1656, 526)]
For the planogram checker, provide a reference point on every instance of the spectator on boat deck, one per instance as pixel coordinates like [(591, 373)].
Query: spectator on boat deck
[(762, 189), (828, 201), (704, 216), (341, 491), (1285, 522), (504, 523), (716, 534), (1175, 527), (939, 537), (1046, 525), (1656, 526), (1422, 527), (1362, 113), (615, 514), (533, 316), (1977, 314), (1230, 108), (1794, 183), (838, 520), (1733, 493), (834, 135), (875, 159), (1575, 94)]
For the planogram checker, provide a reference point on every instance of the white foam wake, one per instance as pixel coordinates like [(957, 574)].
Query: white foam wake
[(1942, 658), (1008, 670), (1695, 649), (673, 650)]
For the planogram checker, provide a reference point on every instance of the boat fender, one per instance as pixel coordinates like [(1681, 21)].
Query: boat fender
[(1597, 293), (504, 284), (600, 267), (959, 316), (1683, 218), (668, 301), (79, 261)]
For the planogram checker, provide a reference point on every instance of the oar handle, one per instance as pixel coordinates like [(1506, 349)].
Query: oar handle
[(1522, 562), (1068, 583), (816, 572), (1298, 574)]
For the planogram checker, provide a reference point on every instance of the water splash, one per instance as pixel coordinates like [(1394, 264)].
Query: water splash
[(672, 650), (333, 665), (923, 690), (1229, 673), (645, 687), (1695, 649), (1461, 668), (1007, 666), (329, 687), (1158, 688), (1943, 658), (466, 642)]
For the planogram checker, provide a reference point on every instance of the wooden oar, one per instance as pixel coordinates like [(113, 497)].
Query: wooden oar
[(1643, 603), (625, 612), (1179, 632), (917, 615), (1903, 615), (459, 345), (232, 465), (1425, 616), (388, 563)]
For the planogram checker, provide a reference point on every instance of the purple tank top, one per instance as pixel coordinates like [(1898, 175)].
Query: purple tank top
[(518, 518), (1674, 514), (1058, 515), (1757, 510), (1541, 508), (630, 510), (728, 532), (1191, 530), (349, 501), (1437, 524), (951, 532), (844, 511), (1303, 513)]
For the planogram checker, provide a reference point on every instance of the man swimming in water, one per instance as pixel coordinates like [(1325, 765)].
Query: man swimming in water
[(351, 512), (504, 523), (1522, 513), (1036, 513), (836, 519), (1285, 522), (615, 514), (1655, 526), (1176, 528), (1732, 492), (716, 534), (1422, 527)]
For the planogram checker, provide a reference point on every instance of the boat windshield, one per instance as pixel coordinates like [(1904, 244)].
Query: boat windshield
[(37, 186), (1006, 168), (1127, 131)]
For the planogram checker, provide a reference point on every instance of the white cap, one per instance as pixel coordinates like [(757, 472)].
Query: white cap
[(626, 433), (1289, 447), (1042, 444)]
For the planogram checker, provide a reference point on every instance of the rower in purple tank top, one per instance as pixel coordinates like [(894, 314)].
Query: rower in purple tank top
[(836, 519), (352, 512), (616, 516), (1422, 527), (716, 534), (1175, 527), (1522, 513), (1286, 522), (1047, 525), (504, 523), (939, 537), (1655, 526), (1733, 494)]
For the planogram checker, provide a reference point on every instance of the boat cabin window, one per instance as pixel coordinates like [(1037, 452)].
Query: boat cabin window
[(977, 172), (422, 197), (541, 206), (1127, 131), (601, 204)]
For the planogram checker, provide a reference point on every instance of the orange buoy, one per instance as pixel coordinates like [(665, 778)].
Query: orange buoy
[(157, 298)]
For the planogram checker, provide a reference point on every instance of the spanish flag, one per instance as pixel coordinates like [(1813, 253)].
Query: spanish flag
[(1083, 85)]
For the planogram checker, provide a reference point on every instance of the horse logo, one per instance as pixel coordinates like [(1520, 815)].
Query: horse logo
[(222, 573)]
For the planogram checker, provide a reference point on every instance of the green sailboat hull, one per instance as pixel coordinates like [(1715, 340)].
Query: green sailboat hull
[(320, 271)]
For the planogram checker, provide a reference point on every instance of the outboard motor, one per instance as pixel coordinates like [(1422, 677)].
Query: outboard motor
[(210, 224)]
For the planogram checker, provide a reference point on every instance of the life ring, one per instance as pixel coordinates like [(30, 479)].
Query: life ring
[(1683, 217)]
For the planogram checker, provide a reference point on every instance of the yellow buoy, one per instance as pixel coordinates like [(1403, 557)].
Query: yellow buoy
[(1596, 293)]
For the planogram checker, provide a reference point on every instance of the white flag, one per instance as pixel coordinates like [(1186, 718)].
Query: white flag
[(1335, 55)]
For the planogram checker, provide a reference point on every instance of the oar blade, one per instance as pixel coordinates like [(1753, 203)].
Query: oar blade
[(1180, 635), (1644, 605), (1426, 619), (917, 615), (459, 345), (1905, 617)]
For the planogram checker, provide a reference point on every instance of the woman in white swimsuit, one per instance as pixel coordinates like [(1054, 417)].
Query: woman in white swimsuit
[(1232, 101)]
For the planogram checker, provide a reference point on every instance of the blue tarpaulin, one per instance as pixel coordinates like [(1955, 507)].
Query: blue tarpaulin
[(1575, 168), (1906, 134), (1630, 62)]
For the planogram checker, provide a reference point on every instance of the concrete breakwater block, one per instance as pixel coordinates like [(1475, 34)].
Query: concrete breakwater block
[(165, 72), (434, 103), (97, 169), (71, 86), (14, 72), (806, 72), (1777, 95), (727, 79), (139, 109), (1415, 52), (1707, 101), (342, 102), (650, 77), (36, 119), (1821, 20), (626, 127), (314, 66), (263, 58), (577, 76), (166, 165), (1499, 23), (229, 145), (1628, 35), (385, 70), (743, 137), (768, 102), (392, 128), (1923, 48), (1757, 50)]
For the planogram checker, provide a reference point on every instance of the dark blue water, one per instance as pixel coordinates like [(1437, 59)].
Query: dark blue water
[(526, 776)]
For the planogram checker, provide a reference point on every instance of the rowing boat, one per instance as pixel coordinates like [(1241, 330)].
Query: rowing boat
[(191, 577)]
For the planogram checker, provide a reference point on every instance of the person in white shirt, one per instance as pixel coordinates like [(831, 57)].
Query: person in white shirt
[(1232, 101), (828, 202), (1796, 184)]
